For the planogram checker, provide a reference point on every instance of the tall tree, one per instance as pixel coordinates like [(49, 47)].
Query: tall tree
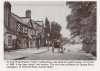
[(47, 26), (82, 21), (47, 30)]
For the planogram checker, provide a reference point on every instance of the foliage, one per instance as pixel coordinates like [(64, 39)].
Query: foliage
[(82, 21), (55, 30), (47, 26)]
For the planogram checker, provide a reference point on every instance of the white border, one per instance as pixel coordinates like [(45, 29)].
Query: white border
[(69, 68)]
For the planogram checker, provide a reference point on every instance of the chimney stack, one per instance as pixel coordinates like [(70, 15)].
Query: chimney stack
[(28, 13), (7, 13)]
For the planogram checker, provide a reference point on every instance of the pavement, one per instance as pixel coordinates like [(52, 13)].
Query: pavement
[(23, 53)]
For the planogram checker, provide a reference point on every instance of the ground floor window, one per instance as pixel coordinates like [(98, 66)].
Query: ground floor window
[(9, 40), (31, 42)]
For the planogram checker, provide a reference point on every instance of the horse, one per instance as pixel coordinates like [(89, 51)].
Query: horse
[(57, 45)]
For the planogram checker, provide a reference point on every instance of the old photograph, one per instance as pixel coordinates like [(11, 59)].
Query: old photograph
[(50, 30)]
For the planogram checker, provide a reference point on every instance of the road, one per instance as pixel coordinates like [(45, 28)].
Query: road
[(71, 52)]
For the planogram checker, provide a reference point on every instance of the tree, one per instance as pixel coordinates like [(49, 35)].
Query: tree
[(55, 30), (47, 26), (47, 30), (82, 22)]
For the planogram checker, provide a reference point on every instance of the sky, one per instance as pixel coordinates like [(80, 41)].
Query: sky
[(54, 11)]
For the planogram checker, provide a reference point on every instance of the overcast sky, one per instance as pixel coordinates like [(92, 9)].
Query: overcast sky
[(54, 11)]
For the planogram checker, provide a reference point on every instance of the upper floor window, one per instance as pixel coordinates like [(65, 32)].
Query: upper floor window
[(34, 32), (25, 29), (19, 27)]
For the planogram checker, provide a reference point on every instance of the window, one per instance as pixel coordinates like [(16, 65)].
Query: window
[(9, 40), (18, 27), (21, 29), (35, 32), (32, 32), (30, 42), (25, 30)]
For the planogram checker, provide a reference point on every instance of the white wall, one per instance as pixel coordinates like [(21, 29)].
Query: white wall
[(6, 39)]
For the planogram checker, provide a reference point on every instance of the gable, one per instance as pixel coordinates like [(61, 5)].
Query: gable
[(30, 23), (27, 21)]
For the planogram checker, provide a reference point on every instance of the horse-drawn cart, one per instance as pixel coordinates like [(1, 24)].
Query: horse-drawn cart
[(57, 45)]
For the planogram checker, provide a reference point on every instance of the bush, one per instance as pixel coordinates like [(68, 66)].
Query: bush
[(90, 48)]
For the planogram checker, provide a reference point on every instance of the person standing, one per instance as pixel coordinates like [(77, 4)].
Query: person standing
[(61, 46)]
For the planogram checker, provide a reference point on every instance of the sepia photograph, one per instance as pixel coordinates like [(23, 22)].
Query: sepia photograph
[(50, 30)]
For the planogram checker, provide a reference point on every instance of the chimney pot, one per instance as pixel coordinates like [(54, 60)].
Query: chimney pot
[(28, 13)]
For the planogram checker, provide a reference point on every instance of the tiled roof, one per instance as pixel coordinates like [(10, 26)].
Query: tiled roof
[(23, 20), (39, 23), (17, 18)]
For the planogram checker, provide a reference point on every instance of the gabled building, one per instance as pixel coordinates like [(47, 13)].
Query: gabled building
[(39, 33), (31, 29), (10, 27), (26, 32), (19, 32)]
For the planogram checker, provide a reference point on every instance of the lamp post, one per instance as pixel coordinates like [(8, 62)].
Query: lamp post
[(48, 41)]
